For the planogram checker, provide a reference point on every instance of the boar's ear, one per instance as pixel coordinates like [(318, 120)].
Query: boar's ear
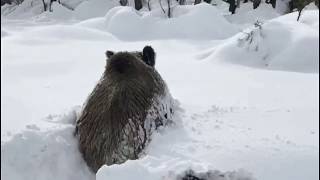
[(148, 56), (109, 54)]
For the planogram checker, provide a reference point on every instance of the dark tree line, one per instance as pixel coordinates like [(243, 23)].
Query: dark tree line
[(293, 5), (17, 2)]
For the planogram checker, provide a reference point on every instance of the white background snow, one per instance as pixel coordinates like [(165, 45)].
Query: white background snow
[(247, 108)]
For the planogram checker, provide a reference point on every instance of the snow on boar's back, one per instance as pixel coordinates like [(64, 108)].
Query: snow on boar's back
[(126, 106)]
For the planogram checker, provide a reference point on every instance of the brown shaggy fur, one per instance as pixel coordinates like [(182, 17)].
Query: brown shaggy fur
[(112, 126)]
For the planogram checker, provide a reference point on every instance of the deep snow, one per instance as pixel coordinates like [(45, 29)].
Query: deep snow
[(238, 115)]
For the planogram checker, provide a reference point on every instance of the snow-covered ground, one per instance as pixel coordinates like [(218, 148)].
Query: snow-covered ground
[(249, 96)]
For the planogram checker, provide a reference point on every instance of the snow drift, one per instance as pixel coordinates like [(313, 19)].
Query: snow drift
[(201, 22), (280, 44), (37, 154)]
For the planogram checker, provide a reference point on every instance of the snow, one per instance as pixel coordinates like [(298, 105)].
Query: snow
[(246, 14), (148, 168), (93, 8), (52, 154), (281, 44), (191, 24), (238, 117)]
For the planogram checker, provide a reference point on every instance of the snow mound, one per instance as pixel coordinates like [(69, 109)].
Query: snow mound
[(279, 44), (150, 167), (201, 22), (39, 155), (93, 8), (59, 12), (94, 23)]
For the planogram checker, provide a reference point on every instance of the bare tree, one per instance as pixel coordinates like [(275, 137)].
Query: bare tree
[(50, 5), (169, 8), (44, 5), (256, 3), (299, 5), (162, 7)]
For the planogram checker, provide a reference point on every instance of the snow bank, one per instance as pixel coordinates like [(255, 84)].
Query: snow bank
[(37, 154), (202, 22), (153, 168), (281, 44)]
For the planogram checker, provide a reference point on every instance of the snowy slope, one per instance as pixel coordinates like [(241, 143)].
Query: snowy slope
[(238, 116), (281, 43)]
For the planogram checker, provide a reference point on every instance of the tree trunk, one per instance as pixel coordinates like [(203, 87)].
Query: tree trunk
[(138, 4), (149, 7), (50, 5), (169, 8), (44, 6), (256, 3), (273, 3), (291, 6), (162, 7), (232, 6), (300, 11)]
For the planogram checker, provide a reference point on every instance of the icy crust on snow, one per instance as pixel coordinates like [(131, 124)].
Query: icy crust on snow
[(37, 154), (279, 44), (155, 168), (202, 22)]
